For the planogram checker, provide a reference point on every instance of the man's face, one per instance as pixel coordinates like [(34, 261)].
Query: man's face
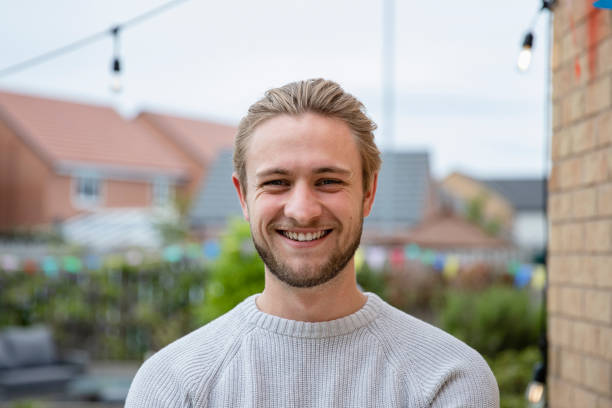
[(304, 197)]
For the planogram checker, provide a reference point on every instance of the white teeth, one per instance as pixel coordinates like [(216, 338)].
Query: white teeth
[(309, 236)]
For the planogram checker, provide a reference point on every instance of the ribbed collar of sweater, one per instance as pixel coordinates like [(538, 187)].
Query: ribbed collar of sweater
[(338, 327)]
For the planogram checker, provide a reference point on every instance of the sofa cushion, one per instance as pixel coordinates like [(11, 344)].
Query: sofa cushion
[(6, 359), (37, 375), (29, 346)]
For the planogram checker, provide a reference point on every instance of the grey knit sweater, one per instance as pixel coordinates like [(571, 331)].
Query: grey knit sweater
[(376, 357)]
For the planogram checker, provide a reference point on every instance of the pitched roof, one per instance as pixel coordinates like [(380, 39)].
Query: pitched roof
[(200, 138), (216, 199), (523, 193), (450, 231), (403, 185), (74, 133)]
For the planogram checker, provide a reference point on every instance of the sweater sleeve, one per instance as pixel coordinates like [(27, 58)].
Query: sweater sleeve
[(471, 385), (155, 387)]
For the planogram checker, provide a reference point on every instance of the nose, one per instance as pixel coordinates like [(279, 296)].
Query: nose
[(302, 205)]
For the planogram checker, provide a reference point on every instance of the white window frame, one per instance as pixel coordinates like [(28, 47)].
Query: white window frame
[(81, 184), (162, 192)]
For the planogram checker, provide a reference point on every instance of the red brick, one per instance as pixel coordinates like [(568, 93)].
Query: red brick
[(603, 271), (584, 202), (572, 302), (573, 236), (605, 343), (597, 305), (583, 136), (570, 173), (585, 337), (594, 167), (573, 43), (597, 375), (587, 275), (604, 56), (598, 95), (557, 114), (560, 331), (573, 106), (561, 394), (604, 199), (604, 402), (603, 128), (584, 398), (572, 366), (598, 235), (554, 239), (574, 269), (552, 299)]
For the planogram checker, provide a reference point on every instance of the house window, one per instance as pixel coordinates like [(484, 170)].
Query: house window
[(162, 193), (88, 190)]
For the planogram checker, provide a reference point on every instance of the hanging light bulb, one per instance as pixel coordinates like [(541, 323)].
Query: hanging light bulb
[(524, 59), (116, 76), (535, 390), (115, 84)]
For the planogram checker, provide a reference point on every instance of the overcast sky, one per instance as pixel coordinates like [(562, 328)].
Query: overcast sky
[(459, 95)]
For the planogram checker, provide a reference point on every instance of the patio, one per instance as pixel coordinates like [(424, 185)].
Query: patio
[(104, 384)]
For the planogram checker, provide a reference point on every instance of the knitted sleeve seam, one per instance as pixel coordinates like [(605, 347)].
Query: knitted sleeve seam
[(401, 372), (228, 356)]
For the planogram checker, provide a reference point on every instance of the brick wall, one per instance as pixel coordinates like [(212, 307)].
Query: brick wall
[(580, 209)]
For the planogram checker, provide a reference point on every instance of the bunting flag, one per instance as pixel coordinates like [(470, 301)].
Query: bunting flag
[(30, 266), (438, 262), (376, 257), (538, 279), (173, 253), (397, 258), (72, 264), (50, 267), (413, 251), (522, 276), (211, 249), (93, 262), (9, 263), (451, 267)]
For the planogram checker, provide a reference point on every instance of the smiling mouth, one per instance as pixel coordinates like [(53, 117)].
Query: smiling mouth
[(304, 236)]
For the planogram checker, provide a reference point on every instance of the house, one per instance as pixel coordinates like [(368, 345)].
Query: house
[(60, 159), (514, 204), (201, 140), (527, 197)]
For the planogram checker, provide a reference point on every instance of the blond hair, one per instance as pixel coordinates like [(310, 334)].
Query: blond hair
[(319, 96)]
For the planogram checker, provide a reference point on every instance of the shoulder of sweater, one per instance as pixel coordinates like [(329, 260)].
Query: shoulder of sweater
[(186, 365), (426, 353)]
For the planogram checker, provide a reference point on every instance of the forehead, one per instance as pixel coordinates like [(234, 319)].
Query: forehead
[(302, 142)]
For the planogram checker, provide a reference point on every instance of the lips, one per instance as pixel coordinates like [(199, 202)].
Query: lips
[(304, 236)]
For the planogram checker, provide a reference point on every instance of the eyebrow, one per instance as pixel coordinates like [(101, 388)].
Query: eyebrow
[(319, 170)]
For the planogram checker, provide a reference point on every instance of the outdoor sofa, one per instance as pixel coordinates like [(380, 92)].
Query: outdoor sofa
[(30, 363)]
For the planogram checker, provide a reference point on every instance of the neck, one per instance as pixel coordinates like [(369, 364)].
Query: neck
[(335, 299)]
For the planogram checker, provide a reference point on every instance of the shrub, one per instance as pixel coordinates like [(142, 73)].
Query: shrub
[(237, 273), (513, 371), (492, 320)]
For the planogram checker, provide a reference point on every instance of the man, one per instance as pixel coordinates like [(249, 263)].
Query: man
[(306, 172)]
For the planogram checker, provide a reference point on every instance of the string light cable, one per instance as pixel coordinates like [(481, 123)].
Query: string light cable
[(524, 58), (83, 42)]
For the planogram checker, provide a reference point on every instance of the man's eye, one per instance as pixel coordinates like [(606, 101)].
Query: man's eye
[(274, 183), (327, 182)]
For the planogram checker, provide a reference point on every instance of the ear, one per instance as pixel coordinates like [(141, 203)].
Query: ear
[(368, 197), (241, 195)]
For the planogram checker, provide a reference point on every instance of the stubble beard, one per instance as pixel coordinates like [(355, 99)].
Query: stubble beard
[(309, 276)]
